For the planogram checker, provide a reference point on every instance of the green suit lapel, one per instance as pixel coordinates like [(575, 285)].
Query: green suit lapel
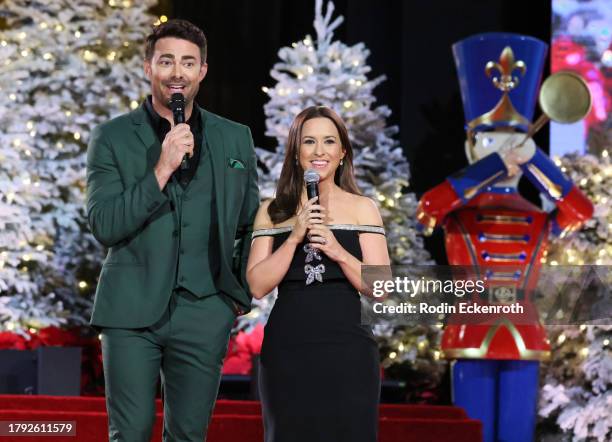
[(146, 134), (214, 139)]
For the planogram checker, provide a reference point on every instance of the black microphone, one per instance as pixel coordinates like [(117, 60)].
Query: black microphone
[(311, 178), (177, 106)]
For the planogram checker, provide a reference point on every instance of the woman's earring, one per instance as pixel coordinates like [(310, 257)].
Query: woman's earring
[(342, 161)]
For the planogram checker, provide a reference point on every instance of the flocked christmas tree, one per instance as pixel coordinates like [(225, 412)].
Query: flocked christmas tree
[(323, 71), (576, 398), (66, 67)]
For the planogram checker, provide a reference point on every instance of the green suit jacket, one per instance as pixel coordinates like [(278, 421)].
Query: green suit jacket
[(129, 214)]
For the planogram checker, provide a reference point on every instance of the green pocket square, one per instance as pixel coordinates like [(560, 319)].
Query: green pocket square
[(236, 164)]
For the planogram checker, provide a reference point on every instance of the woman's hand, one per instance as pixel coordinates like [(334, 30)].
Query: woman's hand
[(309, 216), (322, 238)]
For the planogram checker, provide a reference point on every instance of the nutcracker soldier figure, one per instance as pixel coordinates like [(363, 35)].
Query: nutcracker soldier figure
[(489, 226)]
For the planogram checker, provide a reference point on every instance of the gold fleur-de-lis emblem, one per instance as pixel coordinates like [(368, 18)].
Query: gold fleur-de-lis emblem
[(506, 67)]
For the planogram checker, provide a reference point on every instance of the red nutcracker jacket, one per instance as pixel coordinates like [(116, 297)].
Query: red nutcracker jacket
[(504, 237)]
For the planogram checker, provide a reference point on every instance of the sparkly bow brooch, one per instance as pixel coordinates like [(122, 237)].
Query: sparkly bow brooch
[(313, 272)]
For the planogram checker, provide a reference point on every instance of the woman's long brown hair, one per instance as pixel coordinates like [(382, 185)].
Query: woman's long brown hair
[(291, 181)]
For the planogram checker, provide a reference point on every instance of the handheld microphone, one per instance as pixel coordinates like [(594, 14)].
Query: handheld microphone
[(311, 178), (177, 106)]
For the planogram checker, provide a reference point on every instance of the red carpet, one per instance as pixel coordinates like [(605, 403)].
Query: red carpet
[(235, 421)]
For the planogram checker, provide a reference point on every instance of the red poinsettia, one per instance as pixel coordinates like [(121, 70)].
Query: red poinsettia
[(54, 336), (12, 341), (241, 349)]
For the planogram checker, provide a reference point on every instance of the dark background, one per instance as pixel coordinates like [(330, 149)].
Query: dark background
[(410, 42)]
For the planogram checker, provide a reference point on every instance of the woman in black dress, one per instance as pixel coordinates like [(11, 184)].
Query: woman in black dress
[(319, 373)]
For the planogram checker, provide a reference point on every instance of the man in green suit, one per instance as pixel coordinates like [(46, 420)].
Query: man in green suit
[(178, 239)]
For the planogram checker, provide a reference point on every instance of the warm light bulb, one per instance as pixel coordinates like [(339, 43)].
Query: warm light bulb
[(561, 339)]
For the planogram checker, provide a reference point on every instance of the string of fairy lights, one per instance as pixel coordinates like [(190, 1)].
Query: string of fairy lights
[(303, 71)]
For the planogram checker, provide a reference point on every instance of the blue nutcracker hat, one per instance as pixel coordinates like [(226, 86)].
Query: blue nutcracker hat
[(499, 76)]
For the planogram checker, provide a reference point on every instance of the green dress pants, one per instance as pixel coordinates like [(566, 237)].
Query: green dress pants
[(186, 347)]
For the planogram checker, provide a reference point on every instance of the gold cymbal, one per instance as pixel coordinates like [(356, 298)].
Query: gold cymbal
[(565, 97)]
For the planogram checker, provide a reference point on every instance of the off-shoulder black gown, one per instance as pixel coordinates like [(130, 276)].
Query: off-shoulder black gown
[(319, 367)]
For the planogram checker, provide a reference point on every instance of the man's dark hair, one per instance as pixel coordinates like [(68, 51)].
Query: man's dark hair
[(178, 29)]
